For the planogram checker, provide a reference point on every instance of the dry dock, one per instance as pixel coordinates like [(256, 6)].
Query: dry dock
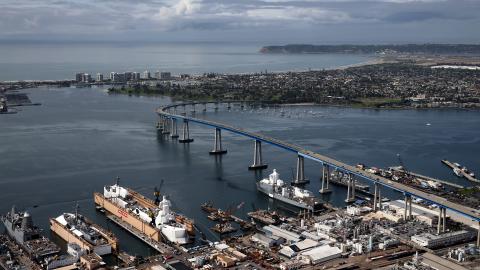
[(466, 175), (158, 246)]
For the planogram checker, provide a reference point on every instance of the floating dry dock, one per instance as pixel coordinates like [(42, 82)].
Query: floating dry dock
[(151, 221)]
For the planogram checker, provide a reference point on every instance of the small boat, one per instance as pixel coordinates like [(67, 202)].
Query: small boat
[(458, 172)]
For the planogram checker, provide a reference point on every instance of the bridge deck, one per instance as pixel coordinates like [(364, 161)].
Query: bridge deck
[(407, 190)]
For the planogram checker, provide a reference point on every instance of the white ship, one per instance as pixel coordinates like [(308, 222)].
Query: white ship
[(276, 188), (159, 216)]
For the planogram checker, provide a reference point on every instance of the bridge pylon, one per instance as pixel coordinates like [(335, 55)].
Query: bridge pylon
[(257, 157), (217, 147), (186, 133)]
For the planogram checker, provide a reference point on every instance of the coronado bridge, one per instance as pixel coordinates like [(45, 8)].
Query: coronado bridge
[(172, 114)]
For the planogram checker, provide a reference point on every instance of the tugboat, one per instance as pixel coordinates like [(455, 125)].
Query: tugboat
[(276, 188)]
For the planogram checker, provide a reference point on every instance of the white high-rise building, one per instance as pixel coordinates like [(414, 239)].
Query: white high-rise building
[(146, 74)]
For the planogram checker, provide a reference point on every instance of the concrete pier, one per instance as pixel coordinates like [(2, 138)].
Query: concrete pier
[(217, 147), (325, 179), (165, 127), (186, 133), (300, 176), (442, 220), (174, 129), (478, 235), (350, 189), (257, 157), (408, 208)]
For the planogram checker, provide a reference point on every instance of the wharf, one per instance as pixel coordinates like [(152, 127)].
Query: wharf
[(429, 178), (158, 246), (466, 175)]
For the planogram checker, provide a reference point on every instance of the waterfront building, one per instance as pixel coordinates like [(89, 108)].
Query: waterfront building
[(86, 78), (432, 240), (165, 75), (136, 76), (146, 75), (157, 75), (99, 77), (78, 77), (128, 76)]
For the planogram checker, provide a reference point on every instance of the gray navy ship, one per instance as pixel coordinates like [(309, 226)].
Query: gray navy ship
[(276, 188), (20, 228)]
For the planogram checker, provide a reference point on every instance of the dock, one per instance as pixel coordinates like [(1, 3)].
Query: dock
[(466, 175), (424, 177), (158, 246)]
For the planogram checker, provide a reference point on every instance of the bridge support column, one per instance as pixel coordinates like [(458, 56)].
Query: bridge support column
[(379, 198), (478, 235), (375, 196), (325, 178), (440, 218), (229, 106), (165, 126), (410, 215), (350, 189), (444, 219), (300, 176), (257, 157), (217, 148), (159, 125), (405, 214), (193, 108), (184, 110), (174, 129), (216, 106), (186, 133), (205, 107)]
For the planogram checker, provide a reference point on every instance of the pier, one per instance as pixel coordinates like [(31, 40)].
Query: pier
[(466, 175), (158, 246), (447, 183)]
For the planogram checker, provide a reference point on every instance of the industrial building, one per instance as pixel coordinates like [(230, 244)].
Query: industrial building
[(432, 240)]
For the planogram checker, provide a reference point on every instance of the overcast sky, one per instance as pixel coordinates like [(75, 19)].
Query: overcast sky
[(263, 21)]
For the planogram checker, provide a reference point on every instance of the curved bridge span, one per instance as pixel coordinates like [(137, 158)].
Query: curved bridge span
[(168, 114)]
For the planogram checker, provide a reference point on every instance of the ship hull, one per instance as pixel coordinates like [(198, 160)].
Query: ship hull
[(69, 237), (127, 217), (288, 201)]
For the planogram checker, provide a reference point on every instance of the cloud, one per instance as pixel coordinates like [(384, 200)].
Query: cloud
[(284, 17)]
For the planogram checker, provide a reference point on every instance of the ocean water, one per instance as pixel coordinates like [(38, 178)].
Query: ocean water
[(56, 61), (79, 140)]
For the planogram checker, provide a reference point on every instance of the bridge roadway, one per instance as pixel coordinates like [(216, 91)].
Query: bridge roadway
[(406, 190)]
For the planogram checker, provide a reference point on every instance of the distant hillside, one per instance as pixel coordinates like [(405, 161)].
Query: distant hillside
[(371, 49)]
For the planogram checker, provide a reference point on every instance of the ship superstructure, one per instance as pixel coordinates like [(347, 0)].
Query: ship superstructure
[(75, 228), (155, 220), (20, 227), (276, 188)]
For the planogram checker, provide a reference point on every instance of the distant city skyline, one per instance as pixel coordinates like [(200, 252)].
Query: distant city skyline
[(267, 21)]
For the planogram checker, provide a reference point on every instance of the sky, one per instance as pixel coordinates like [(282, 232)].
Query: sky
[(262, 21)]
